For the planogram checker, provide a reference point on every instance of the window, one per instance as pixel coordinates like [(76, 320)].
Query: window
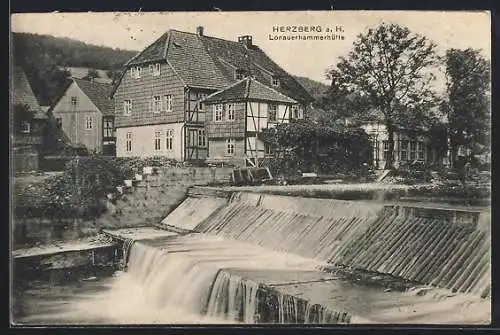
[(386, 149), (128, 142), (273, 113), (88, 122), (202, 142), (404, 150), (276, 81), (218, 112), (169, 139), (74, 101), (25, 127), (154, 69), (413, 150), (421, 151), (157, 140), (127, 107), (59, 122), (269, 149), (108, 128), (167, 102), (157, 104), (296, 112), (135, 72), (201, 96), (230, 146), (230, 112)]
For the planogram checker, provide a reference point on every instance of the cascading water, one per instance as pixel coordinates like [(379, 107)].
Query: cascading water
[(228, 276), (126, 246), (184, 280)]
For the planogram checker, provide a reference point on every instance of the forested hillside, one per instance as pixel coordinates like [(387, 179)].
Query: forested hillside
[(315, 88), (44, 58)]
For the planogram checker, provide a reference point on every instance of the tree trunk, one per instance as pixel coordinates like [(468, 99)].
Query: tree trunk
[(453, 153), (389, 163), (453, 156)]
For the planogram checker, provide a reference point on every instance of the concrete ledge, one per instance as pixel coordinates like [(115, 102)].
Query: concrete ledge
[(140, 233), (61, 248)]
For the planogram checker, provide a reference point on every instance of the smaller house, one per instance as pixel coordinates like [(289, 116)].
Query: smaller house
[(237, 116), (85, 113), (28, 126)]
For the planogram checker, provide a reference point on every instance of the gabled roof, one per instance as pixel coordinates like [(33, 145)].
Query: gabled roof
[(22, 93), (249, 89), (98, 93), (209, 62)]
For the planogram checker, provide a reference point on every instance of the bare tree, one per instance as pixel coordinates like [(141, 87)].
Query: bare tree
[(390, 67)]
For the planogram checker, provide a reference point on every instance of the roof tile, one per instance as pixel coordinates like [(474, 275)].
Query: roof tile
[(251, 89), (99, 93), (204, 61)]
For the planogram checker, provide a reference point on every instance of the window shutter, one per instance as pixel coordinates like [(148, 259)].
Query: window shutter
[(150, 106)]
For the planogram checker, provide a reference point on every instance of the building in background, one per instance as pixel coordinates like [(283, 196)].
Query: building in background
[(85, 113), (158, 100), (28, 126), (407, 149)]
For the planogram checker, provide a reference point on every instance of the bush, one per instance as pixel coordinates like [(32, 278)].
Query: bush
[(304, 146), (457, 191), (77, 192)]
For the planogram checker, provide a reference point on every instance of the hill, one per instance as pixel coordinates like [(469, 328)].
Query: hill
[(49, 61), (315, 88), (44, 58)]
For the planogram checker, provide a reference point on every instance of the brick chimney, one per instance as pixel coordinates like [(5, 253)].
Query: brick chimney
[(199, 30), (246, 40)]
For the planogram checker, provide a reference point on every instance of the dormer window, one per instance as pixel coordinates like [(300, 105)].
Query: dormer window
[(155, 69), (135, 72), (275, 81)]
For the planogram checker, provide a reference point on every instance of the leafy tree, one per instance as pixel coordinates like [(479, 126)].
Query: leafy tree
[(467, 103), (304, 145), (388, 71), (114, 75), (91, 74)]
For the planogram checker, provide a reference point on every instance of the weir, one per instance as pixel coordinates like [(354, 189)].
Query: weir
[(442, 247), (240, 257)]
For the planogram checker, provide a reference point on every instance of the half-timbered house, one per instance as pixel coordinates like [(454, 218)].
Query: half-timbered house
[(238, 115), (158, 99)]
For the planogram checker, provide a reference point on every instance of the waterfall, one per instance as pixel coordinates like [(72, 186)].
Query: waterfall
[(126, 246), (429, 246), (189, 279), (233, 298)]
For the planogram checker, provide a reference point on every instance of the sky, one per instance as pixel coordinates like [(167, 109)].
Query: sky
[(135, 31)]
